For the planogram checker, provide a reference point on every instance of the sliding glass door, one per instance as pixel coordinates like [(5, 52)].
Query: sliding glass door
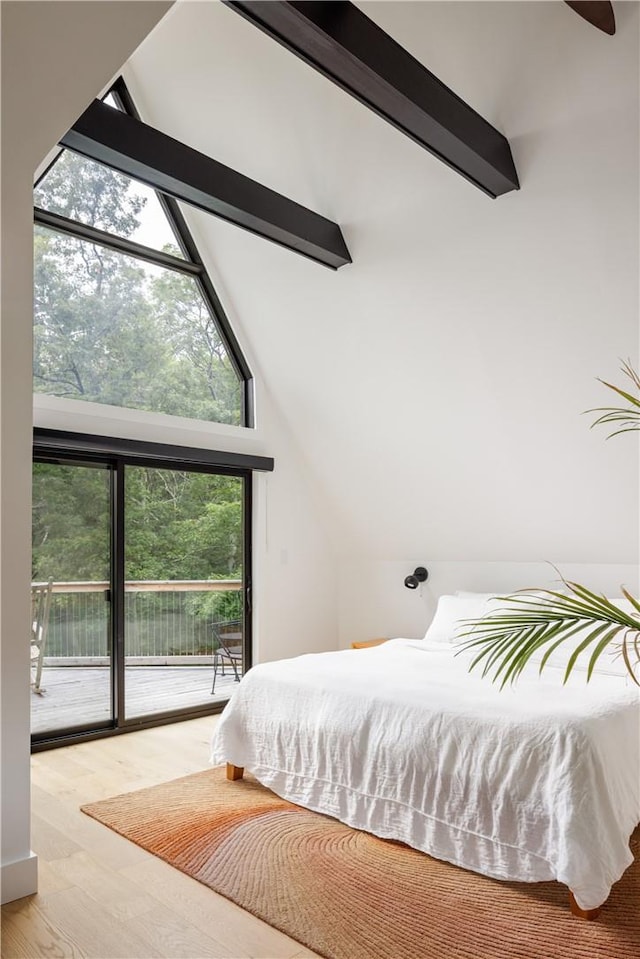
[(70, 636), (140, 592), (184, 578)]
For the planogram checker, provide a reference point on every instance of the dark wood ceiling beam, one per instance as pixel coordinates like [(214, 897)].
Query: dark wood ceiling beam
[(111, 137), (343, 44)]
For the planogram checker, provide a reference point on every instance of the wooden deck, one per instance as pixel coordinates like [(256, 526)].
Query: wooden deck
[(75, 695)]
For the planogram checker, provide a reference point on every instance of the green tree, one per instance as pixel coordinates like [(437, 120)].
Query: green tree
[(70, 526), (183, 525), (179, 525), (201, 368), (110, 328), (93, 194)]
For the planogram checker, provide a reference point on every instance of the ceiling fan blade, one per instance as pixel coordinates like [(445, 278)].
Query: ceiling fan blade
[(599, 14)]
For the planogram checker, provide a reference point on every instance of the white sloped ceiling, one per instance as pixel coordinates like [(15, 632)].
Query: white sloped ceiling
[(435, 386)]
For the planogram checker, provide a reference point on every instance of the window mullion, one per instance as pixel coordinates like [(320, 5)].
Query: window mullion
[(83, 231)]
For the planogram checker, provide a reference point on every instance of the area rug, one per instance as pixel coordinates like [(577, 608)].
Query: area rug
[(347, 895)]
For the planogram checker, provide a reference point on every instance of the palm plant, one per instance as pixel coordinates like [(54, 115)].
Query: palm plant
[(629, 416), (542, 620)]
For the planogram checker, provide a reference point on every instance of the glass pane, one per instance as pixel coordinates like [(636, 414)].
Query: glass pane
[(183, 594), (70, 645), (96, 195), (109, 328)]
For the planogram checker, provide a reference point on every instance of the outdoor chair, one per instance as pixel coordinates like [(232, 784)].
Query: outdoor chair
[(40, 609), (228, 649)]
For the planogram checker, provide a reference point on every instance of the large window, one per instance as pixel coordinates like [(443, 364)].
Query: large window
[(125, 313), (141, 552)]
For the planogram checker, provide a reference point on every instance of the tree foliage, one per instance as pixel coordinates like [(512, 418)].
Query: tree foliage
[(112, 329), (70, 523), (179, 525)]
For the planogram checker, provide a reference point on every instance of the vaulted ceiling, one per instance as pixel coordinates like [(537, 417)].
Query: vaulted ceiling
[(434, 386)]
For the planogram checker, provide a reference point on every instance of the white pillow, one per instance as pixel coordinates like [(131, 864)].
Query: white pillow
[(446, 624), (468, 594)]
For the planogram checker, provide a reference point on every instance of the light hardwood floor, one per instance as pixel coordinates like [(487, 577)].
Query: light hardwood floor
[(101, 896)]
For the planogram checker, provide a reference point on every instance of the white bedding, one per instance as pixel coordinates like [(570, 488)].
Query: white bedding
[(531, 783)]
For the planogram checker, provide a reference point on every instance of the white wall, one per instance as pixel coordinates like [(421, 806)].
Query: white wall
[(374, 601), (55, 59), (435, 386)]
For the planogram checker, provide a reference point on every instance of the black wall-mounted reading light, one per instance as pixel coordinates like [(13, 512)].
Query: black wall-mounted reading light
[(419, 575)]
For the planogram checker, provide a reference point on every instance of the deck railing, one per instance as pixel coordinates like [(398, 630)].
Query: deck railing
[(165, 619)]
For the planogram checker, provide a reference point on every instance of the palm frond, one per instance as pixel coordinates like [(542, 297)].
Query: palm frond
[(533, 621), (626, 417)]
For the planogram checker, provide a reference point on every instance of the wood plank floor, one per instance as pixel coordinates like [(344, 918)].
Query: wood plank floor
[(102, 897), (74, 695)]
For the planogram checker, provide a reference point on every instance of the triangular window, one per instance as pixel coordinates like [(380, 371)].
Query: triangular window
[(125, 313), (86, 191)]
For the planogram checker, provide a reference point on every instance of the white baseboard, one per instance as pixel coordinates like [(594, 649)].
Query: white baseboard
[(19, 878)]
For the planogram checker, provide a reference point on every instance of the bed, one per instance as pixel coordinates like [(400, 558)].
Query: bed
[(531, 783)]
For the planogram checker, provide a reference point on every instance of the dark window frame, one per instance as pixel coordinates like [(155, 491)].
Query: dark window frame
[(56, 446), (192, 265)]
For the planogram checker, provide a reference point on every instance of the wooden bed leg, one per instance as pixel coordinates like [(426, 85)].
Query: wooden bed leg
[(234, 772), (587, 914)]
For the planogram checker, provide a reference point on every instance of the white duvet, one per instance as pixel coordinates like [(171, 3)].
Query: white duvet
[(531, 783)]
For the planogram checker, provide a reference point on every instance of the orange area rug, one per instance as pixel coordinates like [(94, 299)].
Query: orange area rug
[(348, 895)]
